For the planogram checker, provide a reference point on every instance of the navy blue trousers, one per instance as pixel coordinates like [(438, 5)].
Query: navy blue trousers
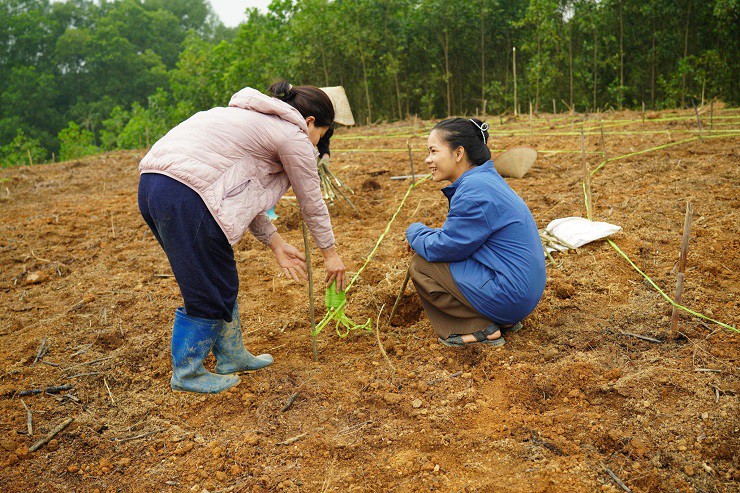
[(199, 253)]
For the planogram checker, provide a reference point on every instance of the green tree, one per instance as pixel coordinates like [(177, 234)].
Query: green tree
[(19, 149), (76, 142)]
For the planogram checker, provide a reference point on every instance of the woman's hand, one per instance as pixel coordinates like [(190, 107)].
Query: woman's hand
[(292, 261), (335, 269), (408, 246)]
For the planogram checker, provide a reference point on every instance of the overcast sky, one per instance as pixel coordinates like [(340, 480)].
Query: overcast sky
[(231, 12)]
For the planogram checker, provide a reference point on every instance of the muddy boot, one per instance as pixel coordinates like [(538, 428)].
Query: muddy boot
[(229, 350), (192, 340)]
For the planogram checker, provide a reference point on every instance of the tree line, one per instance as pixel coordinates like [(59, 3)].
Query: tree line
[(78, 77)]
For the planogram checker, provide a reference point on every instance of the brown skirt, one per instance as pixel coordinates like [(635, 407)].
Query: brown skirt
[(447, 309)]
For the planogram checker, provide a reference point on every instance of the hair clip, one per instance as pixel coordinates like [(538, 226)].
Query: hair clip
[(482, 127)]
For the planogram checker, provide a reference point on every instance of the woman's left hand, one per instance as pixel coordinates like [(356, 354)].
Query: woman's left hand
[(292, 261)]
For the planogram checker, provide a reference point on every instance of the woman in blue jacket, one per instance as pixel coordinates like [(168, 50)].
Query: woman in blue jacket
[(483, 271)]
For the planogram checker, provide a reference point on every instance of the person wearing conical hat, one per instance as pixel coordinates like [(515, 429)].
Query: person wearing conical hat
[(342, 115)]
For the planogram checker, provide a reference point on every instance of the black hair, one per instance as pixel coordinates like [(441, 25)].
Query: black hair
[(468, 133), (308, 100)]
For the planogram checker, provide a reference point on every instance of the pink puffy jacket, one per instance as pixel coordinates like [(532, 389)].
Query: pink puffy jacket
[(241, 160)]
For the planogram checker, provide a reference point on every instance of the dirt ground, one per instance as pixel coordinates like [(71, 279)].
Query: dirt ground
[(570, 403)]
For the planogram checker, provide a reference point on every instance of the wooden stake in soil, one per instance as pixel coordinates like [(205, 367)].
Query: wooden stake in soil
[(643, 112), (617, 480), (290, 402), (515, 100), (711, 115), (530, 117), (113, 401), (380, 344), (40, 352), (51, 435), (411, 162), (29, 419), (698, 120), (603, 141), (30, 161), (586, 178), (681, 267), (400, 295), (310, 291)]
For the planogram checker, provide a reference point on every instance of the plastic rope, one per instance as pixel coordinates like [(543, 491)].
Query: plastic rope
[(335, 311), (614, 245), (668, 298), (335, 303)]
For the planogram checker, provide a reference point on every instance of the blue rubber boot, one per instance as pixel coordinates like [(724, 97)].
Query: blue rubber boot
[(231, 355), (192, 340)]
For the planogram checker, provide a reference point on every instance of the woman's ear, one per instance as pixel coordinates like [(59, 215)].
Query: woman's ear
[(310, 120), (459, 154)]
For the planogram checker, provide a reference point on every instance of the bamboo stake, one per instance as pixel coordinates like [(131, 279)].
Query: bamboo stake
[(515, 100), (685, 238), (292, 440), (400, 295), (411, 162), (644, 338), (711, 114), (530, 118), (698, 120), (290, 402), (29, 419), (586, 178), (51, 435), (617, 480), (643, 112), (113, 401), (603, 141), (30, 161), (380, 344), (310, 291), (554, 109), (39, 354), (681, 268)]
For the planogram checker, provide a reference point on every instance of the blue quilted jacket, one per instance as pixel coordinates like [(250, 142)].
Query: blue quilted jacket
[(492, 244)]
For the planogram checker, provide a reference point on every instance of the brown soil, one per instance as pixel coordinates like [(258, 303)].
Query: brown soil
[(566, 398)]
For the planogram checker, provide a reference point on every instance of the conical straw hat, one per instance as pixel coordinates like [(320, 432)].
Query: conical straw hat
[(516, 161), (342, 111)]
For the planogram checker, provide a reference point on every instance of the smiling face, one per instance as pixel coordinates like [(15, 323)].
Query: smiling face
[(444, 163)]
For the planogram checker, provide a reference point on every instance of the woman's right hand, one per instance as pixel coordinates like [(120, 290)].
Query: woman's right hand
[(408, 246), (335, 269)]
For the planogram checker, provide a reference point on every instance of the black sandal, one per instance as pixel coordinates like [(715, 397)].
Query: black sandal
[(512, 328), (481, 336)]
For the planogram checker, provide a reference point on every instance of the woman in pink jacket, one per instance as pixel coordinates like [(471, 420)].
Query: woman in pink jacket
[(203, 185)]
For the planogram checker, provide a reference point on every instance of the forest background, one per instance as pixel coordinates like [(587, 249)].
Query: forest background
[(81, 77)]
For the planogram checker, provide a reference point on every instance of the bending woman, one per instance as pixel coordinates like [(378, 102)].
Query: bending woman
[(203, 185), (484, 270)]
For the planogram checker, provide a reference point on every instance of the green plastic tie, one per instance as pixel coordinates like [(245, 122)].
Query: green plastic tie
[(335, 303)]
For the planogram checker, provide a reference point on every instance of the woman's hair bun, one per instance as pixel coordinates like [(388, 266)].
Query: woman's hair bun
[(282, 90), (308, 100)]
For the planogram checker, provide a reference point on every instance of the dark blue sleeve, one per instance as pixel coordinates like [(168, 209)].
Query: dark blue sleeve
[(467, 227), (323, 145)]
